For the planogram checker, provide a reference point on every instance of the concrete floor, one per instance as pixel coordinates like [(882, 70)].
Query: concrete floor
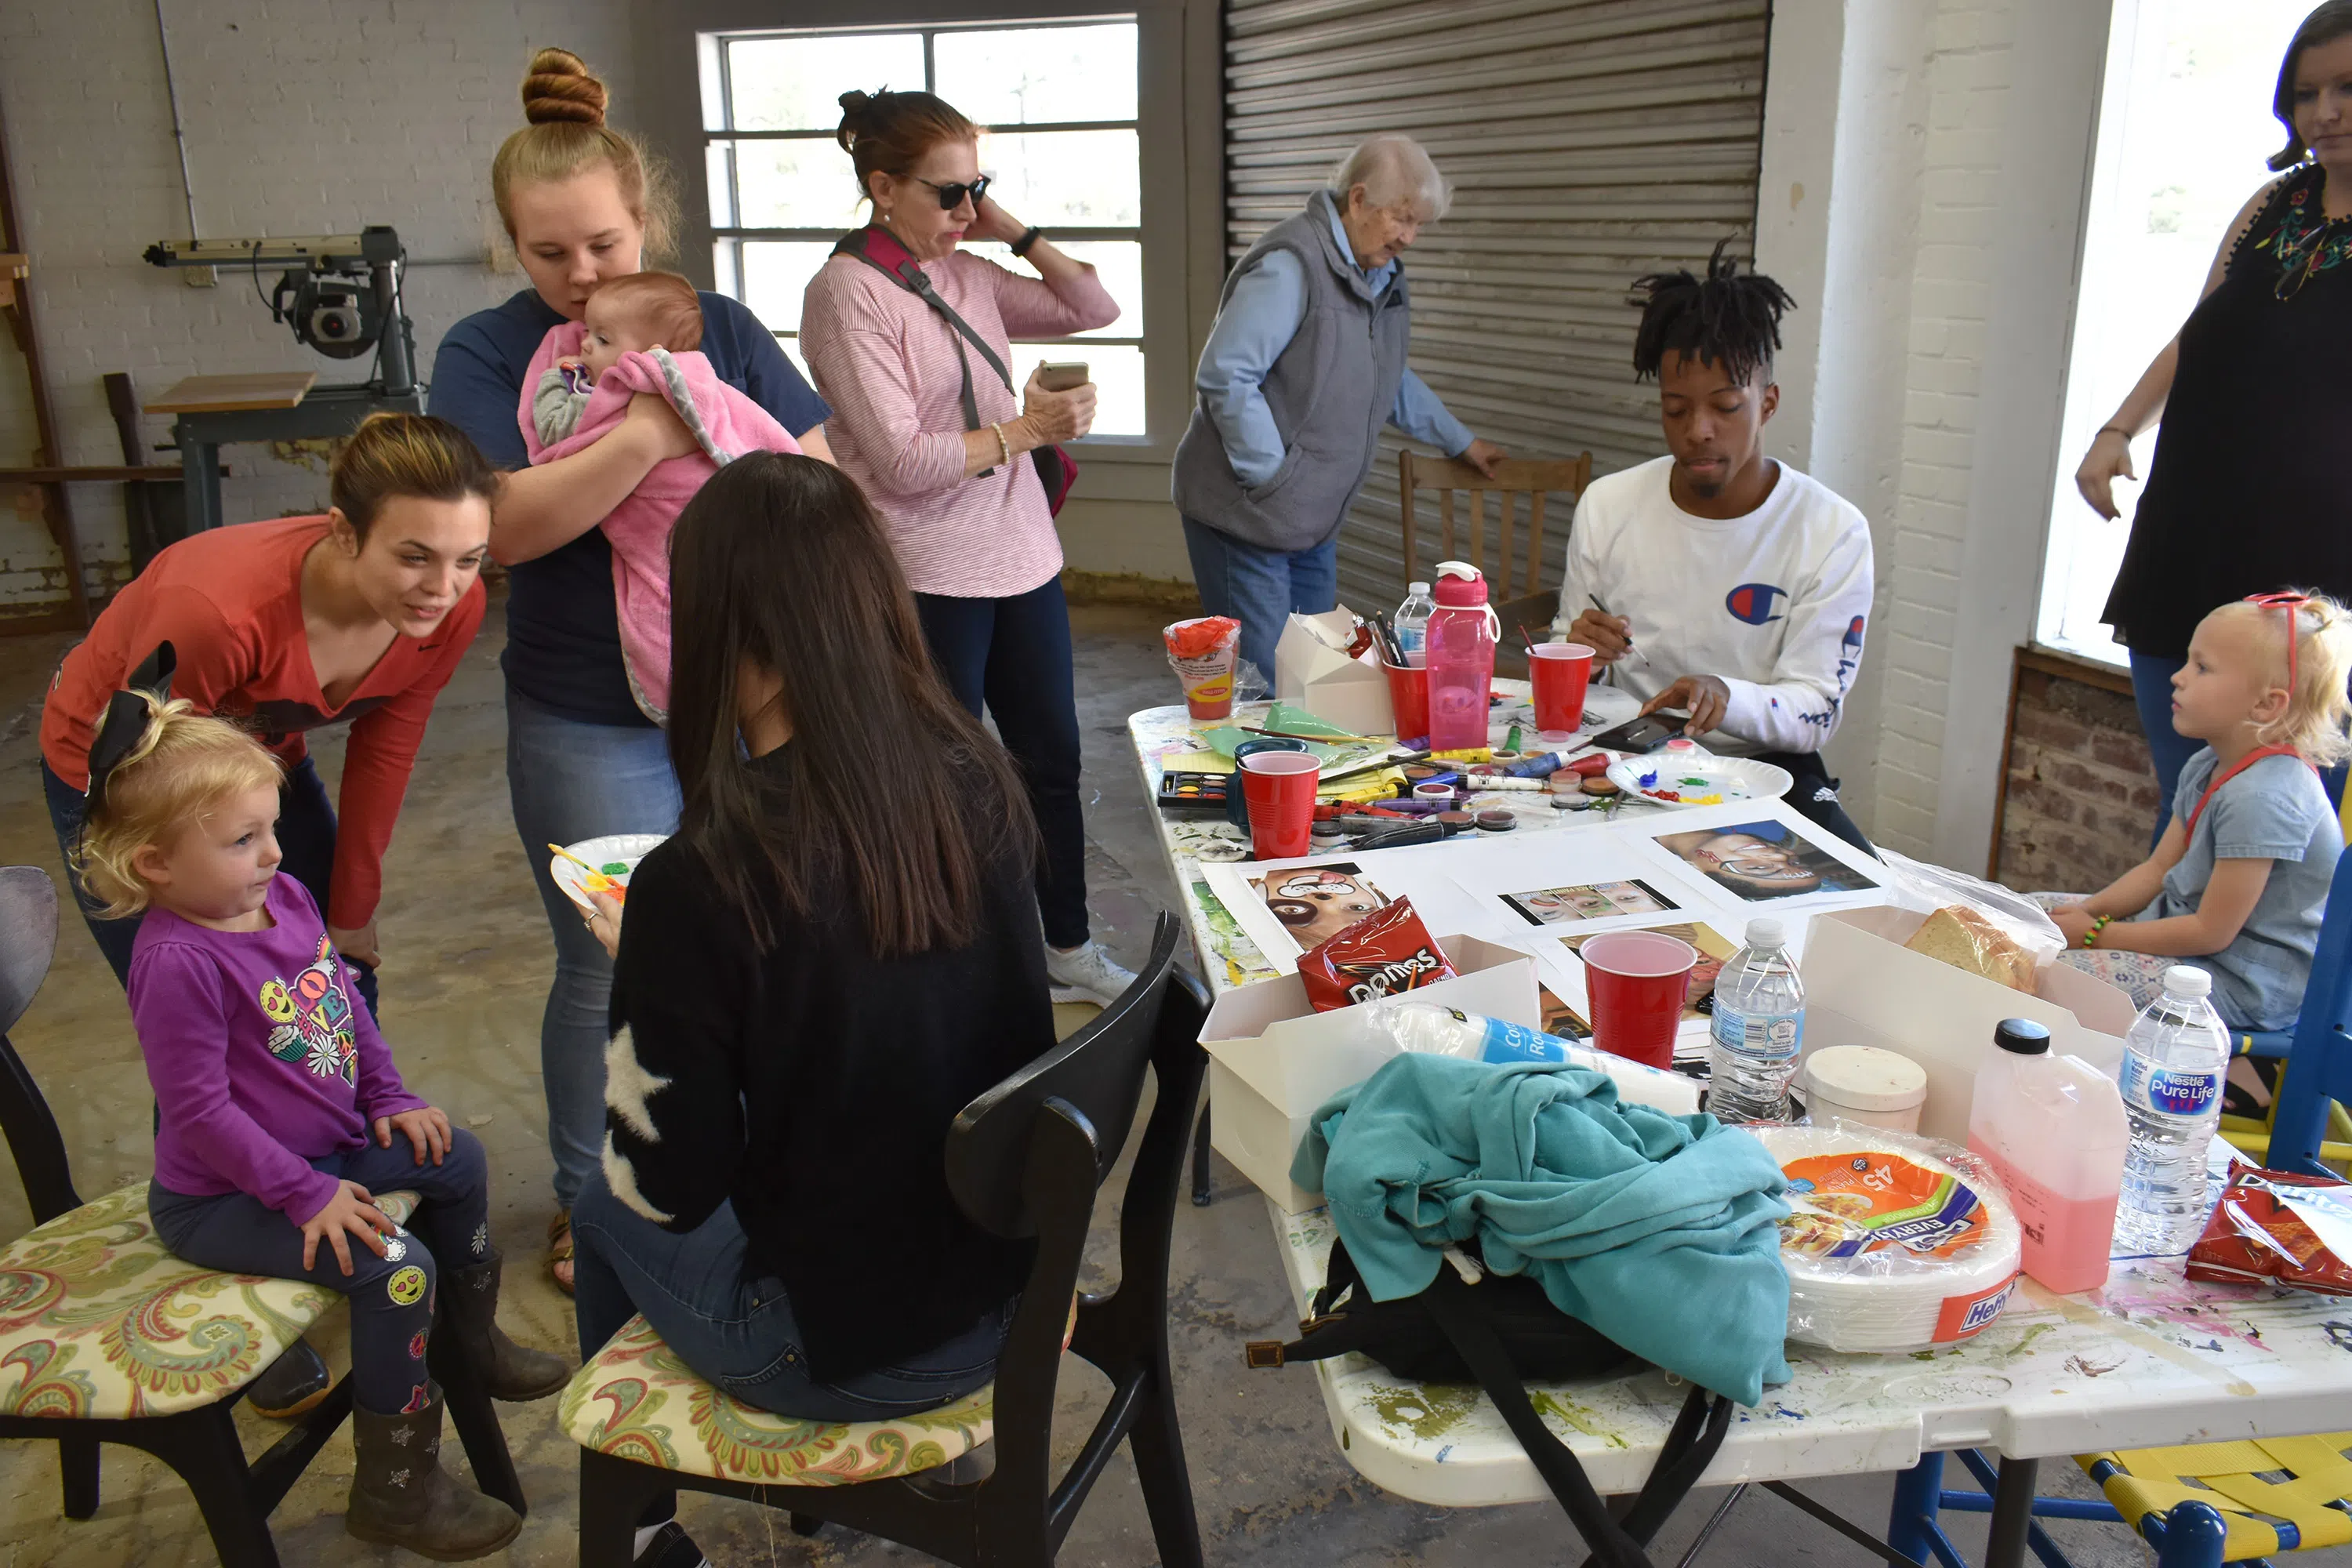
[(468, 960)]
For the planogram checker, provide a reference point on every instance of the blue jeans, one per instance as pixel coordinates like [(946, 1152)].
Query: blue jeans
[(306, 837), (391, 1296), (1013, 656), (1262, 588), (2171, 750), (570, 780), (736, 1329)]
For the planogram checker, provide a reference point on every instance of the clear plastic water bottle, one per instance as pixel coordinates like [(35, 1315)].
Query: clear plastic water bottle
[(1760, 1026), (2174, 1059), (1412, 624)]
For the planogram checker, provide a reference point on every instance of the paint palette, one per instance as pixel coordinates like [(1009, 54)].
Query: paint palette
[(1194, 794), (614, 859), (1662, 778)]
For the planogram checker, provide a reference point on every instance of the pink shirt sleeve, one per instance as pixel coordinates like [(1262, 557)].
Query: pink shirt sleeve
[(860, 366), (1032, 307)]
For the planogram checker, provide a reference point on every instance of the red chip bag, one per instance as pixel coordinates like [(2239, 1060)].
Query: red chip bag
[(1386, 951), (2276, 1225)]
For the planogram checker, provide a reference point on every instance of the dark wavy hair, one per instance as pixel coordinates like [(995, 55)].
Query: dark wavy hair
[(891, 802), (1726, 318), (2326, 23)]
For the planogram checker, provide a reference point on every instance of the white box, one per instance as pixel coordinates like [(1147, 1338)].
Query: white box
[(1863, 987), (1316, 675), (1273, 1059)]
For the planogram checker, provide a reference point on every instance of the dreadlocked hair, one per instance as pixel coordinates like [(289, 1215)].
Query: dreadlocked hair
[(1725, 318)]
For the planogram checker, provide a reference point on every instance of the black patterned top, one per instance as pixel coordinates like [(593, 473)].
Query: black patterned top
[(2247, 491)]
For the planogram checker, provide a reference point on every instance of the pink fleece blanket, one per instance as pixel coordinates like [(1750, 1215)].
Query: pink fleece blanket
[(640, 527)]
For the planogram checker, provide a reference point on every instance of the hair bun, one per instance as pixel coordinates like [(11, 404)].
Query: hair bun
[(856, 107), (558, 85)]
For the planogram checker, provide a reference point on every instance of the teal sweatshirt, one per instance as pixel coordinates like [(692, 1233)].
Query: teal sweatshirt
[(1661, 1231)]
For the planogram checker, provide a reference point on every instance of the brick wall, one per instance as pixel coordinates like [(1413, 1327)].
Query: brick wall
[(2082, 796), (310, 118)]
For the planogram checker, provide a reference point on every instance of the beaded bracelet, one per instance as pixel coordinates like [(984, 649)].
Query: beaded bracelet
[(2098, 924)]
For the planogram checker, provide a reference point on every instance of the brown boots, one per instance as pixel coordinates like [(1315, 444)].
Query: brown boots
[(469, 1299), (402, 1497)]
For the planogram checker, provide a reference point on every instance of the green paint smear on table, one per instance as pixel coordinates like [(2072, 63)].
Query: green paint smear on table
[(1574, 1417), (2026, 1341), (1428, 1411)]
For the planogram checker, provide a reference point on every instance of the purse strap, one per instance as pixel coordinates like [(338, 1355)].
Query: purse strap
[(880, 249), (1697, 1432)]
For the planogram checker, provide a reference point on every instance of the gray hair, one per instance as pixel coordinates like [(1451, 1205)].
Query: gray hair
[(1394, 172)]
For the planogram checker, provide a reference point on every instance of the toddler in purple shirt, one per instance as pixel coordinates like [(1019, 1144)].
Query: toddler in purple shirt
[(280, 1113)]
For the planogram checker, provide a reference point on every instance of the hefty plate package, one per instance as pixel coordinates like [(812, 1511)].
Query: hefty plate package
[(1274, 1056)]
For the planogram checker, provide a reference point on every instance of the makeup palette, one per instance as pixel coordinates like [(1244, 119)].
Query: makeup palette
[(1194, 794)]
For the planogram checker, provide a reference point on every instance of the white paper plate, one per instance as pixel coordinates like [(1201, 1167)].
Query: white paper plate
[(623, 849), (1700, 780)]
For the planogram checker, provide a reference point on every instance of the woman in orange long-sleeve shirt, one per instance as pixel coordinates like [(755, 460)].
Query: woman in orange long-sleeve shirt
[(359, 616)]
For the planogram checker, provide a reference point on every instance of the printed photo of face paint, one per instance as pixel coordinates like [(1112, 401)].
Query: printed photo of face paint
[(1589, 902), (1761, 862), (1314, 903)]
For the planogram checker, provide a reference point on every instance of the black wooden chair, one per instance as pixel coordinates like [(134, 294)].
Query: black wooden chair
[(105, 1337), (1026, 1159)]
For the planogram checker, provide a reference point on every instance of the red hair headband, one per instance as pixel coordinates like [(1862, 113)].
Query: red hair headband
[(2293, 605)]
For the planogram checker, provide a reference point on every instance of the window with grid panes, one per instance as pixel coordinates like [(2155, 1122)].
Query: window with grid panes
[(1056, 101)]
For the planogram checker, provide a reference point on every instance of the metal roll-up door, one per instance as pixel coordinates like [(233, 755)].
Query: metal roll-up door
[(1589, 141)]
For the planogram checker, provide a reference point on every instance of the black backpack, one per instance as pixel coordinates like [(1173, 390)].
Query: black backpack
[(1498, 1331)]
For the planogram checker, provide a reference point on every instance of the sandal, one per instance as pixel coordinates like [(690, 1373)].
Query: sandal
[(560, 1250)]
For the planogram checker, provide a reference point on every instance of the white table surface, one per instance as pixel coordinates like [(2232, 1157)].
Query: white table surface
[(2150, 1360)]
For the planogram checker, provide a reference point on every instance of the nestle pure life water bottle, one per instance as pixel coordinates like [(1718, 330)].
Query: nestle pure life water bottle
[(2174, 1061), (1759, 1025)]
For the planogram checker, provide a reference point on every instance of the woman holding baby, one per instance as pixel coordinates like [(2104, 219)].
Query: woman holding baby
[(583, 205)]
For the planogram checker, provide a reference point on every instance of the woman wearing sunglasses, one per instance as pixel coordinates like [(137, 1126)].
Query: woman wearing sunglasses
[(911, 341)]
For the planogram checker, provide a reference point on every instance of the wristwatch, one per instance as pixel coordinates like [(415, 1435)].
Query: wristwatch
[(1021, 247)]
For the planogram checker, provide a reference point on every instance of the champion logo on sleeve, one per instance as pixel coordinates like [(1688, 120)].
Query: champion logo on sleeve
[(1755, 603)]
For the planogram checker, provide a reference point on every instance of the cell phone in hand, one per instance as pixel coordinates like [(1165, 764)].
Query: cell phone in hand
[(1066, 376), (1647, 734)]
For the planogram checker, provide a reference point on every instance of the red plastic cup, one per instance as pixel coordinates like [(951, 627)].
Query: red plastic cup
[(1560, 672), (1279, 788), (1636, 981), (1408, 698)]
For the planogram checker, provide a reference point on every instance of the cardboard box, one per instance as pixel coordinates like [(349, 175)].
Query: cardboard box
[(1311, 668), (1272, 1059), (1863, 987)]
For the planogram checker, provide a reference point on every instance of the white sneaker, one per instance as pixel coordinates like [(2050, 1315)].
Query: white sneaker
[(1086, 973)]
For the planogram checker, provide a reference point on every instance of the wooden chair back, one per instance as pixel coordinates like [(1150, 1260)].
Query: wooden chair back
[(1518, 569)]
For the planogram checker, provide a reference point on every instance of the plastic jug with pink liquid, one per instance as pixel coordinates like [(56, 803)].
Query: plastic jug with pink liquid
[(2052, 1128), (1463, 632)]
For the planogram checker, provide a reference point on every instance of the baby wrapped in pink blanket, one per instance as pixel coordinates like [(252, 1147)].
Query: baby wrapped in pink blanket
[(578, 391)]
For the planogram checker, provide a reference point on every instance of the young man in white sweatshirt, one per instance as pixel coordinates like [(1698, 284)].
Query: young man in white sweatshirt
[(1735, 589)]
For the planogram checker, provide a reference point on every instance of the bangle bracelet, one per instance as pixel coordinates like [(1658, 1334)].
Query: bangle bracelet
[(1021, 247), (2098, 924), (1004, 446), (2116, 428)]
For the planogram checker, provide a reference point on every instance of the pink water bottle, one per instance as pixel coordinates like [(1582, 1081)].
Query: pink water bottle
[(1463, 632)]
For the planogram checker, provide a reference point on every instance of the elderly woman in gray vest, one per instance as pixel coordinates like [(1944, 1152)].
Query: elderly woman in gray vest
[(1306, 363)]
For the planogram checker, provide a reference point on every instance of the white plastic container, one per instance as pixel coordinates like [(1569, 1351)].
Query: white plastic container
[(1865, 1085), (2052, 1128)]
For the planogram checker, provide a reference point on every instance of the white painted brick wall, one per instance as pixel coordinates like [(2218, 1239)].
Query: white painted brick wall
[(310, 118), (1969, 68)]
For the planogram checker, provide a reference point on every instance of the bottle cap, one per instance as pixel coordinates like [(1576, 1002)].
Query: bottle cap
[(1766, 930), (1416, 587), (2187, 981), (1460, 585), (2023, 1035)]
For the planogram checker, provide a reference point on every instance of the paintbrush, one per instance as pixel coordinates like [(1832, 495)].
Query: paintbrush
[(1605, 610), (597, 880)]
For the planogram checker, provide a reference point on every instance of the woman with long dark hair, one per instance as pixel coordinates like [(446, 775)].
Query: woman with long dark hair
[(837, 950), (2246, 492)]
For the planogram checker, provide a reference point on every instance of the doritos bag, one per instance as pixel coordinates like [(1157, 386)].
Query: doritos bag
[(1386, 951)]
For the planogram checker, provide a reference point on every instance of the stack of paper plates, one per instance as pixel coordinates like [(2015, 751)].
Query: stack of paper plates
[(1891, 1248)]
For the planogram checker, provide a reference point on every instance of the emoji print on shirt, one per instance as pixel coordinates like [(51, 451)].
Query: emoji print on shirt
[(310, 1019)]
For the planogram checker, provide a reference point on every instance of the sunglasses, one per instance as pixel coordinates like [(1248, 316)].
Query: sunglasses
[(952, 197), (2293, 605)]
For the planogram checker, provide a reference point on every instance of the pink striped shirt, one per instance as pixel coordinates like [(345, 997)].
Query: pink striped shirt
[(887, 362)]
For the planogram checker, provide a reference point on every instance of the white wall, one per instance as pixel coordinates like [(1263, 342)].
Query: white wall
[(307, 118), (1924, 168)]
